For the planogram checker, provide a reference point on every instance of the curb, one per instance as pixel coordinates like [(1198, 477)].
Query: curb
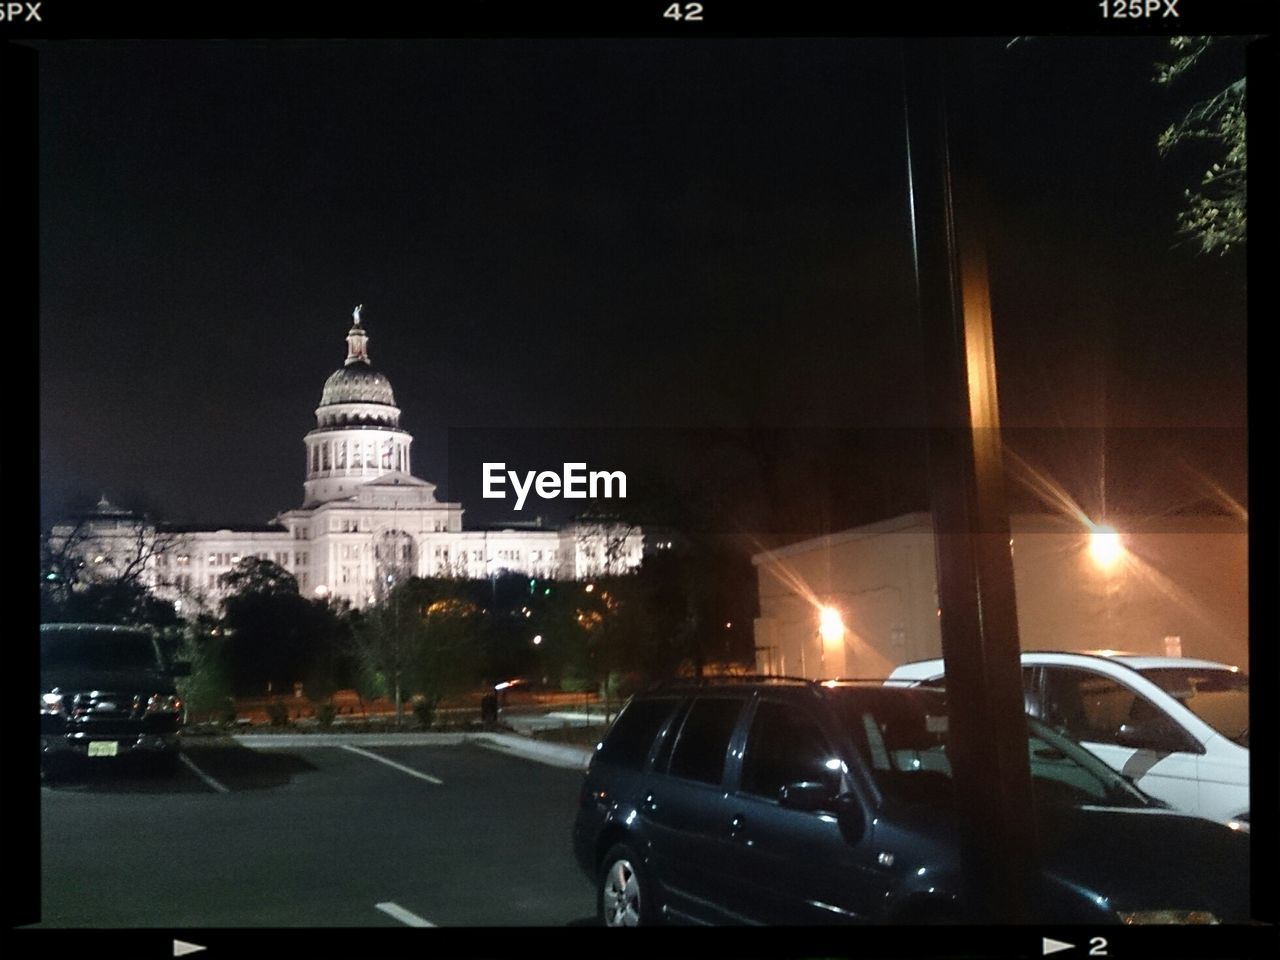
[(552, 754)]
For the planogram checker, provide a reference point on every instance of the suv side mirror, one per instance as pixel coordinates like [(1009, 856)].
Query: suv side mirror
[(807, 795), (812, 796), (1160, 734), (853, 823)]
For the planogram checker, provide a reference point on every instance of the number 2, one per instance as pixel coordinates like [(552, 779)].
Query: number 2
[(1098, 947)]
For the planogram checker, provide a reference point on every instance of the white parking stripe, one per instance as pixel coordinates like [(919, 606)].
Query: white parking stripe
[(202, 775), (403, 915), (391, 763)]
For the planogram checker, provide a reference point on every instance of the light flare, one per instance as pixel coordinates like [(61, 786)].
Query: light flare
[(830, 625), (1105, 547)]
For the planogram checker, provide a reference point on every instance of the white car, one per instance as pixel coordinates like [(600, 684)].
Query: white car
[(1177, 728)]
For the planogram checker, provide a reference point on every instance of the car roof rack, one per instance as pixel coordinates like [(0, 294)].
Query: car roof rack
[(726, 679), (769, 679)]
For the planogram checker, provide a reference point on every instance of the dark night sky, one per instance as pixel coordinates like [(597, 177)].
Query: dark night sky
[(590, 233)]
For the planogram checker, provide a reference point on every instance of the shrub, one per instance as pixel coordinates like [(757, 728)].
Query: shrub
[(620, 686), (425, 710), (278, 713), (325, 712)]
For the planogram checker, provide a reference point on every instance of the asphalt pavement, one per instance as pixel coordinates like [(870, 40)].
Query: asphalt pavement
[(336, 835)]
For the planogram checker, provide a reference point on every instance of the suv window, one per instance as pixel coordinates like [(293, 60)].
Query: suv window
[(1091, 707), (663, 757), (631, 736), (903, 741), (98, 650), (699, 752), (1218, 697), (785, 746)]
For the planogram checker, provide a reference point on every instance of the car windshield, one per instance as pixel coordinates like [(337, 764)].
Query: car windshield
[(902, 736), (1217, 696), (97, 650)]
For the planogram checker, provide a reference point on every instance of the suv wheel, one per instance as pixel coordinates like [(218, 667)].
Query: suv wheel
[(626, 896)]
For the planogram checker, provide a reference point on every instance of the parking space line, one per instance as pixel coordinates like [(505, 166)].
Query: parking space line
[(391, 763), (403, 915), (209, 781)]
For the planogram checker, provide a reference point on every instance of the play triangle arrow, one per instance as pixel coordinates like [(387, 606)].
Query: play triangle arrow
[(181, 948), (1053, 946)]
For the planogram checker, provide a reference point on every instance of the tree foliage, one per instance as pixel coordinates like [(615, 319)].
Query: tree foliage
[(277, 637), (1214, 214), (423, 638), (85, 578), (255, 576), (208, 691)]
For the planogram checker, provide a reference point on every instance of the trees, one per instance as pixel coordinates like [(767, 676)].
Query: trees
[(277, 637), (207, 692), (610, 544), (419, 639), (100, 569), (253, 575), (383, 640), (1215, 212)]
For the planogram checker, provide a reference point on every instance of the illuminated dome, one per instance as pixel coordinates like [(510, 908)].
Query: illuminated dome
[(357, 438), (357, 382)]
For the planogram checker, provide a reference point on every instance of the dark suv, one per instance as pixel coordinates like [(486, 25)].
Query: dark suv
[(106, 692), (776, 801)]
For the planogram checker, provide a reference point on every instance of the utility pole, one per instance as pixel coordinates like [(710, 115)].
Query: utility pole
[(987, 736)]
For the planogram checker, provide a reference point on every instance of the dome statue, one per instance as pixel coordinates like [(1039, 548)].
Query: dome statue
[(356, 381)]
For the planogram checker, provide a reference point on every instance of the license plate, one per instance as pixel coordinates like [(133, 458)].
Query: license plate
[(103, 748)]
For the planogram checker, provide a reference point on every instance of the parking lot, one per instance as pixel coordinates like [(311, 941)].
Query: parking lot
[(342, 835)]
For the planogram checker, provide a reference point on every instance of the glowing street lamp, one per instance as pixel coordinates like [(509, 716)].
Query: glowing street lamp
[(537, 641), (831, 637), (830, 626), (1105, 547)]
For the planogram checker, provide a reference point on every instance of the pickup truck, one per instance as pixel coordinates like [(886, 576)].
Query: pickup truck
[(107, 693)]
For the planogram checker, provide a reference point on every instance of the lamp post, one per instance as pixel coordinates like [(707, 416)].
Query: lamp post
[(987, 739)]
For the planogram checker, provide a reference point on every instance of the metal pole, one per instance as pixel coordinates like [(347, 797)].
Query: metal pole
[(987, 738)]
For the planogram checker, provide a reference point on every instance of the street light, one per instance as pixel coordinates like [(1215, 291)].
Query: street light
[(537, 641), (830, 626), (1105, 547)]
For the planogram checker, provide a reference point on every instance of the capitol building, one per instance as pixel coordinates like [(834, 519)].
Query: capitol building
[(365, 520)]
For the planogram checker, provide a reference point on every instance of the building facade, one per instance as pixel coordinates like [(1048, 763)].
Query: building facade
[(1173, 586), (365, 521)]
